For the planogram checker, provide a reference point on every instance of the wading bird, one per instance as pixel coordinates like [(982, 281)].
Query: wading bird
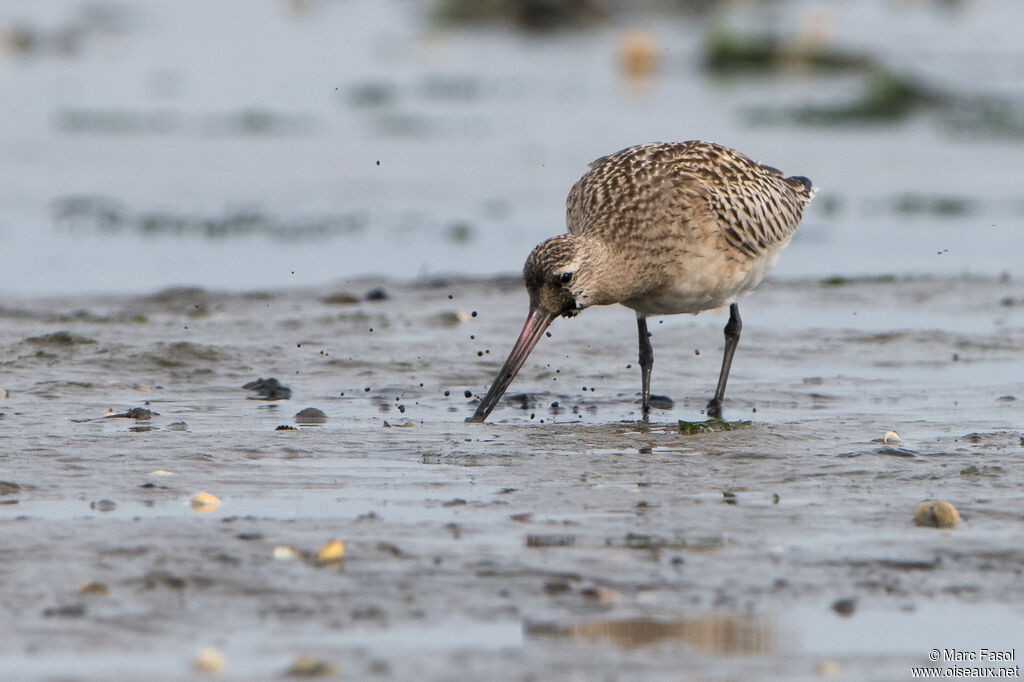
[(661, 228)]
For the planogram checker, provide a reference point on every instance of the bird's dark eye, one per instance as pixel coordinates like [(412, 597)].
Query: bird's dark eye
[(565, 278)]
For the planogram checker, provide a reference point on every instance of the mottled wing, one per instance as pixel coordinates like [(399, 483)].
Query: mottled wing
[(641, 187), (755, 206)]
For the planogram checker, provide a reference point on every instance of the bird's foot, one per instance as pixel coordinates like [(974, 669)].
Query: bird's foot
[(714, 409)]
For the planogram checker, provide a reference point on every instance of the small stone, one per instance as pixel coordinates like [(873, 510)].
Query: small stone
[(829, 669), (553, 540), (845, 607), (332, 553), (310, 415), (940, 514), (311, 666), (204, 503), (209, 662), (602, 595), (285, 553), (92, 587)]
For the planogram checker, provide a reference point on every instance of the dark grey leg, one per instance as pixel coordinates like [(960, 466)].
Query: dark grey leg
[(646, 362), (732, 337)]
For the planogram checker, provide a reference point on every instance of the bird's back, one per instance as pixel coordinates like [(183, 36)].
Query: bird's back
[(666, 190)]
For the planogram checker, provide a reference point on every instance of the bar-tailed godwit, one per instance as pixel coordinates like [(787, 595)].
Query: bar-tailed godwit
[(661, 228)]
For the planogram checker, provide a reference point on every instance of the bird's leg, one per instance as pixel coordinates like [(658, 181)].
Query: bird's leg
[(732, 337), (646, 362)]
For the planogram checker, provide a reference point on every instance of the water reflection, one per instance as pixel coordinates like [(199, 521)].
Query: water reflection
[(718, 635)]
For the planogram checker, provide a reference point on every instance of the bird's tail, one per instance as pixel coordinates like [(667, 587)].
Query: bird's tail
[(803, 187)]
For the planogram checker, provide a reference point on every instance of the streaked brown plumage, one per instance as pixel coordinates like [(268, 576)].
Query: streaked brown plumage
[(661, 228)]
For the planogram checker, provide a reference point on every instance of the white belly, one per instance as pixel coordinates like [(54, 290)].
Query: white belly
[(705, 285)]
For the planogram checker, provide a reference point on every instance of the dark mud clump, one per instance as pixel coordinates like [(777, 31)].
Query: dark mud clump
[(137, 413), (710, 426), (268, 389)]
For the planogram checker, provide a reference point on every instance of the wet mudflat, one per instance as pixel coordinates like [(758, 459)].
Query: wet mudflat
[(564, 539)]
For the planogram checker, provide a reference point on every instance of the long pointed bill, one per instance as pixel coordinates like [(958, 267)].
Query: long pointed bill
[(536, 322)]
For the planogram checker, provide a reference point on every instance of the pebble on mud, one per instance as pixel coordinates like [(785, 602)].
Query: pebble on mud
[(332, 553), (93, 587), (209, 662), (890, 437), (601, 595), (103, 505), (940, 514), (204, 502), (310, 415), (285, 553), (845, 606), (829, 669), (553, 540), (311, 666)]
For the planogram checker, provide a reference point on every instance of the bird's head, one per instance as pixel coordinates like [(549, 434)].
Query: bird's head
[(556, 277)]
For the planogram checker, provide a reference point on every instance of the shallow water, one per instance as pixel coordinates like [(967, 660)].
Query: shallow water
[(588, 545)]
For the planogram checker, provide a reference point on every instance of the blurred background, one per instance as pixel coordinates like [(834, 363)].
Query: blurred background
[(260, 144)]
